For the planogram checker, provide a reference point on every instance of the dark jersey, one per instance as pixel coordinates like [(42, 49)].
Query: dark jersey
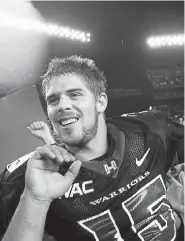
[(118, 196)]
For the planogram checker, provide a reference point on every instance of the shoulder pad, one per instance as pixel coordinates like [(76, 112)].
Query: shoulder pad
[(145, 114), (17, 163), (150, 120)]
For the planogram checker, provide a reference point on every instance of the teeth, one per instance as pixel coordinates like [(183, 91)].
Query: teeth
[(66, 122)]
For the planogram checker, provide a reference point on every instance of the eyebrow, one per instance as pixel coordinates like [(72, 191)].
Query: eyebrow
[(68, 91), (73, 90)]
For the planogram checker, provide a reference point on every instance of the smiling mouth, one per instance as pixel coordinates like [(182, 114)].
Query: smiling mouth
[(68, 122)]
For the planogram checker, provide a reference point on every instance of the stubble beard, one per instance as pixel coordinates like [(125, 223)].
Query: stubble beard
[(87, 134)]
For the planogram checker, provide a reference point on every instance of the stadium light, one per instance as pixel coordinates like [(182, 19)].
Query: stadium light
[(40, 27), (166, 40)]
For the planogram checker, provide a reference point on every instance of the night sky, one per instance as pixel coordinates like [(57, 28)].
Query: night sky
[(118, 33), (118, 39), (118, 43)]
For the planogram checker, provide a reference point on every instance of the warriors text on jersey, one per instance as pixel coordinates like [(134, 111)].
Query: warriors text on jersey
[(119, 196)]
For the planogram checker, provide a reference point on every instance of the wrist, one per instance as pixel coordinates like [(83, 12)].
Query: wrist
[(50, 142), (27, 196)]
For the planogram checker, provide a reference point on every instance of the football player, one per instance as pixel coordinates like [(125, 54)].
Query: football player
[(175, 188), (117, 189)]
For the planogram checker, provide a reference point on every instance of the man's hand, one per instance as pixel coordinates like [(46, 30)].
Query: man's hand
[(43, 182), (175, 193), (41, 130)]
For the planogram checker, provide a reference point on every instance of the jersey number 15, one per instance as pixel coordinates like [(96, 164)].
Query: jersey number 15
[(148, 210)]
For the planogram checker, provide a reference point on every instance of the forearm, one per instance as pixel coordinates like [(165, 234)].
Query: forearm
[(28, 220)]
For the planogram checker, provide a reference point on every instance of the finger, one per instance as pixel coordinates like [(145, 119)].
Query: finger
[(39, 125), (36, 125), (29, 128), (43, 158), (42, 124), (59, 157), (73, 171), (180, 167), (167, 185), (32, 126), (171, 180), (181, 177), (67, 156), (60, 153), (64, 153), (43, 152), (71, 157), (173, 171)]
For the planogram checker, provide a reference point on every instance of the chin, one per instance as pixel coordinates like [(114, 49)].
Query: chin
[(69, 139), (73, 142)]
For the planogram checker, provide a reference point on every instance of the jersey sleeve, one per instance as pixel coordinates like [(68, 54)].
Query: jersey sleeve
[(11, 187), (170, 132), (3, 211)]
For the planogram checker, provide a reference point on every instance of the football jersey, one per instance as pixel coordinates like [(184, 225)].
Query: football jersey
[(120, 196)]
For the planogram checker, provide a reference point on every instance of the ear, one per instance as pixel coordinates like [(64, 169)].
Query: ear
[(102, 102)]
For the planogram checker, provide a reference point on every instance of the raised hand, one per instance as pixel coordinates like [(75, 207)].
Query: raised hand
[(41, 130), (42, 180), (175, 192)]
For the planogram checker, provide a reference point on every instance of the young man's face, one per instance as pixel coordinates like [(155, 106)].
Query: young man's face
[(72, 109)]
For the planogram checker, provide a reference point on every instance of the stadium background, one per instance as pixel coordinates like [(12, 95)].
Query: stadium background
[(139, 77)]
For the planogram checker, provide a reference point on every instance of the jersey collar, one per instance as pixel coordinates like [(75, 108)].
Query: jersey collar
[(109, 164)]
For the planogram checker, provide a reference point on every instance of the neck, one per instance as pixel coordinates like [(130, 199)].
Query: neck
[(97, 147)]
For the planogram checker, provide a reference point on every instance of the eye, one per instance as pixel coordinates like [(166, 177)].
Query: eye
[(75, 94), (52, 101)]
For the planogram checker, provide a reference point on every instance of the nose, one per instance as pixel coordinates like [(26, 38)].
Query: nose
[(64, 104)]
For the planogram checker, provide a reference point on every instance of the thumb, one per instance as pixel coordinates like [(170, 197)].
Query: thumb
[(73, 171), (29, 128)]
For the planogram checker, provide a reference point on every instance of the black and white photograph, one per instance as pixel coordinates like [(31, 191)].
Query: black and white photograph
[(92, 120)]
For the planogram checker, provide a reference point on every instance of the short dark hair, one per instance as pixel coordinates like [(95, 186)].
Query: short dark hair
[(94, 78)]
